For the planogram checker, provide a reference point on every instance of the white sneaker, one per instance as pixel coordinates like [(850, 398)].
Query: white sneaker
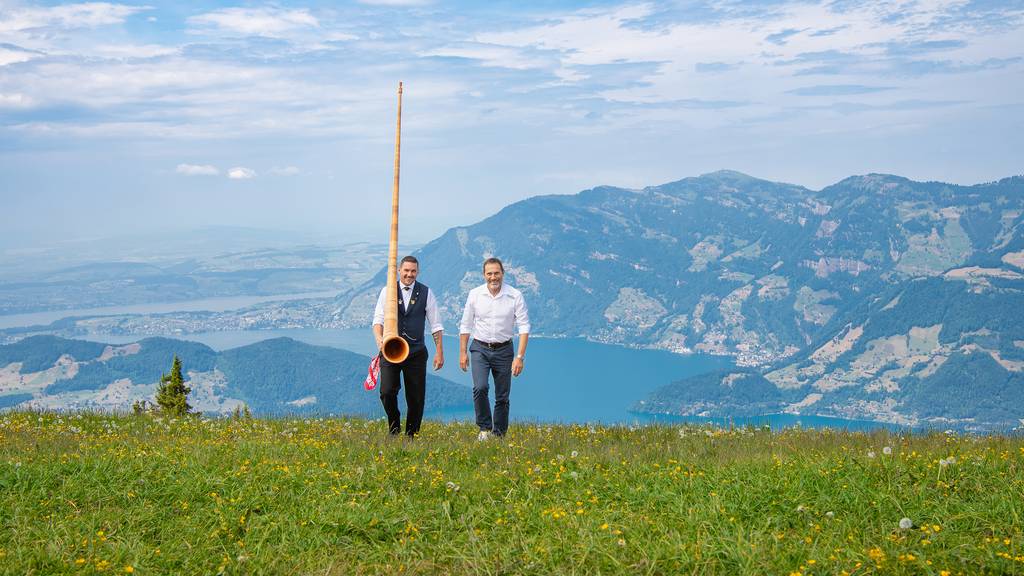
[(483, 436)]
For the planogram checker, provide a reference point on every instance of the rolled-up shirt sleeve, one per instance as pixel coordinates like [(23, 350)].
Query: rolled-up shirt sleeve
[(468, 316), (378, 312), (522, 315), (433, 317)]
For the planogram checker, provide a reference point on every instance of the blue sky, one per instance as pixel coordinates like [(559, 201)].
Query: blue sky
[(123, 118)]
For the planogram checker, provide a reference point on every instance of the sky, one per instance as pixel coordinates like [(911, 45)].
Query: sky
[(127, 118)]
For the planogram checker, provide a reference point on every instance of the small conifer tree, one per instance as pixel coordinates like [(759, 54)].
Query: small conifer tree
[(241, 412), (172, 394)]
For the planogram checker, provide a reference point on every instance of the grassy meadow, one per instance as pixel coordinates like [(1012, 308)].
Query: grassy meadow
[(86, 494)]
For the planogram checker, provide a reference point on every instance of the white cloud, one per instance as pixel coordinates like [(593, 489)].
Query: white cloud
[(15, 100), (286, 171), (134, 50), (603, 70), (70, 16), (11, 55), (858, 39), (396, 2), (241, 173), (197, 170), (339, 37), (270, 22), (492, 55)]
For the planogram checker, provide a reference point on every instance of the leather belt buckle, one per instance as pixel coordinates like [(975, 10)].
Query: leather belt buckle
[(494, 345)]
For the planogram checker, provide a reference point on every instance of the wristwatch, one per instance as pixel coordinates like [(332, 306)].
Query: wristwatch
[(520, 356)]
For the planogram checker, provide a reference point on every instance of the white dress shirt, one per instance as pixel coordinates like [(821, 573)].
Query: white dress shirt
[(493, 319), (433, 318)]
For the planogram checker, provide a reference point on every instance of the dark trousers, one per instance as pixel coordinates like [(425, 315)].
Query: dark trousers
[(497, 363), (414, 373)]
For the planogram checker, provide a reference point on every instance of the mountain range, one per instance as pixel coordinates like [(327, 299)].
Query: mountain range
[(276, 376), (877, 297)]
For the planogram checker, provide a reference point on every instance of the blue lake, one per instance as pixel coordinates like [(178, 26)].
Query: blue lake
[(565, 380)]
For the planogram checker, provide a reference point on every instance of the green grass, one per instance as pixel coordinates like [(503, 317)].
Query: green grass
[(116, 494)]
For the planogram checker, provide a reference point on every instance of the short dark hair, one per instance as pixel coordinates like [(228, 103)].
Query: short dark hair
[(409, 259), (493, 260)]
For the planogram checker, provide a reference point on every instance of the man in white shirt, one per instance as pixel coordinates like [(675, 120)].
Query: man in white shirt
[(493, 312), (417, 308)]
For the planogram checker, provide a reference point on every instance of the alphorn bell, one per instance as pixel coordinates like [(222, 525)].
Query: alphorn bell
[(394, 349)]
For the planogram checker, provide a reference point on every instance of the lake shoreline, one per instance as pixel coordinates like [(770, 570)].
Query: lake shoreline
[(606, 379)]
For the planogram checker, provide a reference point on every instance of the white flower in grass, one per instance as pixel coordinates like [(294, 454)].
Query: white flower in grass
[(830, 514), (887, 450), (800, 508), (871, 453), (574, 454), (906, 524), (452, 486)]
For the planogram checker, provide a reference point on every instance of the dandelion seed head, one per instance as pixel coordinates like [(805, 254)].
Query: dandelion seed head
[(887, 450), (906, 524)]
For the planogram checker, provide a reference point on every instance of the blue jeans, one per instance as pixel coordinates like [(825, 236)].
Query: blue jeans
[(498, 363)]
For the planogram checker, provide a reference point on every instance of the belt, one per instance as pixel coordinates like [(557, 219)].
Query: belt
[(494, 345)]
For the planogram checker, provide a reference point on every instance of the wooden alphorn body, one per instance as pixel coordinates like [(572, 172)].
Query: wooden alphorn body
[(395, 349)]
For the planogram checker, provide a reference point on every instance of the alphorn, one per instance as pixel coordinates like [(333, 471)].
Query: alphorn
[(394, 348)]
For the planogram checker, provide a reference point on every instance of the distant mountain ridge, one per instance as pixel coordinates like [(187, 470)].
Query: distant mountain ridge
[(40, 283), (821, 291), (276, 376), (875, 298)]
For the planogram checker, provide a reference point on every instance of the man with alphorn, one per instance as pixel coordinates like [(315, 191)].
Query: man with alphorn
[(417, 308), (493, 312)]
